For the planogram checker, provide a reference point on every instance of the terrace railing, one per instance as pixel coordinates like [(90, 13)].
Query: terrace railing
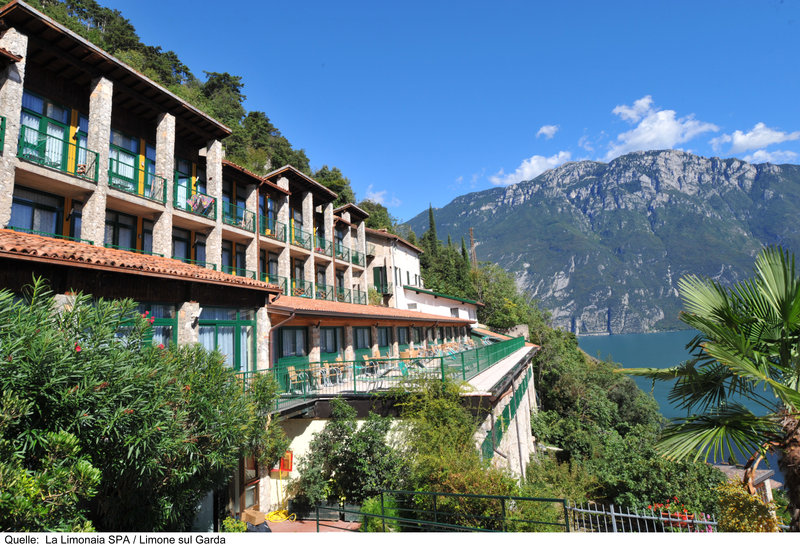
[(357, 258), (274, 279), (133, 250), (300, 238), (134, 180), (238, 216), (239, 272), (323, 246), (301, 288), (49, 234), (359, 297), (370, 250), (186, 199), (324, 292), (204, 264), (57, 153), (272, 229), (343, 295), (385, 289), (342, 253)]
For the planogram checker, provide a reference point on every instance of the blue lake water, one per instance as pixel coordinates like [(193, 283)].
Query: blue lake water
[(659, 350)]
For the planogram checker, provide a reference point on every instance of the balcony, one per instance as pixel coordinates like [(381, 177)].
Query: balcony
[(343, 295), (274, 279), (238, 216), (324, 292), (301, 288), (358, 259), (239, 272), (385, 289), (323, 246), (272, 229), (359, 297), (342, 253), (55, 153), (48, 234), (132, 250), (197, 203), (300, 238), (204, 264), (136, 181)]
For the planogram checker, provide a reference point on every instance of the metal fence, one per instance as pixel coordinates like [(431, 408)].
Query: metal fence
[(596, 518)]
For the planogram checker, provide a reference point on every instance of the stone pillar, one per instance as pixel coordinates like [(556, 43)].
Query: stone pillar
[(214, 156), (93, 223), (309, 270), (165, 167), (314, 340), (251, 254), (374, 334), (395, 342), (263, 326), (12, 81), (349, 352), (327, 222), (361, 239), (282, 206), (188, 326)]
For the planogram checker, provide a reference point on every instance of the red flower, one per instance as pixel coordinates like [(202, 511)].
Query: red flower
[(77, 347), (152, 320), (161, 346)]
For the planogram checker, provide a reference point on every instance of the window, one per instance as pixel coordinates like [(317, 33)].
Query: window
[(45, 131), (227, 255), (408, 277), (402, 336), (292, 341), (32, 210), (147, 236), (165, 326), (273, 264), (200, 248), (385, 336), (412, 306), (362, 337), (120, 230), (330, 340), (419, 336), (75, 217), (180, 244), (454, 312), (448, 332), (123, 159), (232, 332)]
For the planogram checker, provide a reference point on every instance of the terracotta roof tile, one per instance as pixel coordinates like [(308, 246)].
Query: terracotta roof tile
[(53, 250), (331, 308)]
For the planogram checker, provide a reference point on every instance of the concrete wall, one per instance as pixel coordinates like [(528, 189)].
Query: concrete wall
[(431, 304)]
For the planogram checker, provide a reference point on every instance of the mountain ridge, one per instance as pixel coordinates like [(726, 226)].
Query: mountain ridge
[(602, 245)]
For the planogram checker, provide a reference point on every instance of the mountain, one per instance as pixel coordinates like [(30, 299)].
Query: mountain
[(602, 246)]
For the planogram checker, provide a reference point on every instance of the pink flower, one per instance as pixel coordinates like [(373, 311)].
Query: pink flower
[(161, 346), (77, 347), (152, 320)]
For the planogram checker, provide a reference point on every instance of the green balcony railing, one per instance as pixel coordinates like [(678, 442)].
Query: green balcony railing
[(274, 279), (359, 297), (343, 295), (370, 250), (57, 153), (239, 271), (323, 246), (238, 216), (300, 238), (324, 292), (136, 181), (132, 250), (342, 253), (357, 258), (385, 289), (49, 234), (301, 288), (272, 229), (185, 199), (2, 132), (204, 264)]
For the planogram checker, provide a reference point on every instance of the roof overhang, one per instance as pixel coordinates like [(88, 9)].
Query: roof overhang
[(299, 178)]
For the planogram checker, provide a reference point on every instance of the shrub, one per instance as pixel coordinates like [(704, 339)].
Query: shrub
[(233, 525), (740, 512)]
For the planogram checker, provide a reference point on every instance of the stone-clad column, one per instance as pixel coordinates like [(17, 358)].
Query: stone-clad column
[(309, 271), (395, 343), (188, 326), (349, 352), (93, 220), (313, 347), (251, 254), (375, 349), (327, 222), (263, 326), (282, 206), (165, 167), (361, 239), (12, 81), (214, 156)]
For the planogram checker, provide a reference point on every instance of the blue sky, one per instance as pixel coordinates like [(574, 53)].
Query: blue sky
[(418, 102)]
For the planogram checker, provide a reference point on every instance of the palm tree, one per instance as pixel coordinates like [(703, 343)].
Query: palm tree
[(740, 389)]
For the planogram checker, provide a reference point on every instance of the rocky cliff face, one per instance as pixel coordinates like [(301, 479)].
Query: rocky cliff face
[(604, 245)]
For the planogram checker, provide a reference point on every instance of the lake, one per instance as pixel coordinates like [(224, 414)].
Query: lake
[(659, 350)]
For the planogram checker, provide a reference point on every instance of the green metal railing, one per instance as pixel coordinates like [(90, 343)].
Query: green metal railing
[(370, 250), (385, 289), (54, 152), (302, 378), (238, 216), (358, 259), (324, 292), (2, 132), (300, 238), (132, 250), (49, 234), (495, 436), (301, 288), (343, 295), (136, 181), (239, 272), (342, 252), (272, 229), (204, 264), (359, 297), (274, 279), (323, 246), (185, 199)]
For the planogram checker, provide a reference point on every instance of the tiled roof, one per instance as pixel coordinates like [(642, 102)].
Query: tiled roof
[(301, 305), (252, 175), (300, 177), (384, 233), (34, 247), (352, 208), (491, 334), (442, 295)]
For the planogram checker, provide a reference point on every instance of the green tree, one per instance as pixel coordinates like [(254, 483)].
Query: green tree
[(379, 216), (333, 179), (748, 344), (163, 426)]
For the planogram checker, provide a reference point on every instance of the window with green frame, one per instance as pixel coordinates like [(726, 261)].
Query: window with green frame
[(165, 322), (123, 161), (120, 230), (402, 336), (293, 341), (330, 341), (45, 131), (232, 332), (419, 335), (385, 338), (362, 337)]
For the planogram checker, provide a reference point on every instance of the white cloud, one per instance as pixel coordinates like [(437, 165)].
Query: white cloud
[(530, 168), (547, 131), (759, 137), (774, 157), (656, 129), (379, 196)]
